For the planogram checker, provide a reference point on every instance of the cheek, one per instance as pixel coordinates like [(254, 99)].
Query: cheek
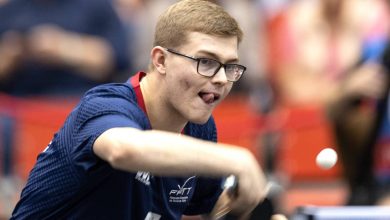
[(188, 81), (180, 89), (185, 84), (179, 80)]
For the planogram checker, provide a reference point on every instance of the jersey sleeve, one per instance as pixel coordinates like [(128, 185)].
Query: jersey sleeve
[(68, 167), (94, 116), (206, 194)]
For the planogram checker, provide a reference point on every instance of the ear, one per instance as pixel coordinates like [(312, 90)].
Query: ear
[(158, 58)]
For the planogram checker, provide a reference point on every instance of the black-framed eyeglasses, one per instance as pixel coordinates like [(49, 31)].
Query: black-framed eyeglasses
[(209, 67)]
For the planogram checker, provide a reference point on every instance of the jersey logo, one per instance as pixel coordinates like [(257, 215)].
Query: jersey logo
[(143, 177), (180, 195)]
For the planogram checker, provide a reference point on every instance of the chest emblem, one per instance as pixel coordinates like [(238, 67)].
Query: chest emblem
[(181, 193)]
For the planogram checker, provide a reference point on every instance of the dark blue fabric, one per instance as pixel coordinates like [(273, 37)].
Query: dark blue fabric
[(70, 182), (96, 18)]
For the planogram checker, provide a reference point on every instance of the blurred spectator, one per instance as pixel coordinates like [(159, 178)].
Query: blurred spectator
[(3, 2), (248, 14), (309, 52), (362, 128), (140, 16), (316, 52), (59, 47), (360, 116)]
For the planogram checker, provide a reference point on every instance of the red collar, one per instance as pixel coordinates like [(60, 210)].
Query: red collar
[(135, 82)]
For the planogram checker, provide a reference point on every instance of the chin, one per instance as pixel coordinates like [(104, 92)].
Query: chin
[(200, 119)]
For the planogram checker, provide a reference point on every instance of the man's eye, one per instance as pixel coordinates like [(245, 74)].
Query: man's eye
[(207, 62)]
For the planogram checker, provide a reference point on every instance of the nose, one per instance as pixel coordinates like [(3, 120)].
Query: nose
[(220, 76)]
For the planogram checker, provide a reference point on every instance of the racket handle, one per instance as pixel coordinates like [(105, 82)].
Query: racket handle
[(231, 185)]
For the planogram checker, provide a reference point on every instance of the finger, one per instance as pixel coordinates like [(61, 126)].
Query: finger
[(278, 217)]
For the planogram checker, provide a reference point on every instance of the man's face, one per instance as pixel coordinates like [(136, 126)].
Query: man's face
[(191, 95)]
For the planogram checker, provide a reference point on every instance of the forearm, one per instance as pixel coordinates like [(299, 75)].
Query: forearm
[(91, 55), (169, 154), (11, 50), (166, 153), (6, 66)]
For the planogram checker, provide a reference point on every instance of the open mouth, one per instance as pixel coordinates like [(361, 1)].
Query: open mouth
[(208, 98)]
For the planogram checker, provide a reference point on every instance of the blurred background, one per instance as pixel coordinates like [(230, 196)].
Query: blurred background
[(317, 78)]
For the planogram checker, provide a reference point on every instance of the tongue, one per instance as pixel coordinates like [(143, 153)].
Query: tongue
[(207, 97)]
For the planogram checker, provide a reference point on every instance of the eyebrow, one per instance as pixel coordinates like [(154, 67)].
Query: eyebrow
[(215, 56)]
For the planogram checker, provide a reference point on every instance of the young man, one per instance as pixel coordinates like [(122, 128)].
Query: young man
[(145, 149)]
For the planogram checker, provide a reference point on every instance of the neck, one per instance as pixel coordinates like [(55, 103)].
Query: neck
[(161, 114)]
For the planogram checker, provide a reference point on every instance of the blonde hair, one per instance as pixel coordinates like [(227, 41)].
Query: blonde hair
[(194, 16)]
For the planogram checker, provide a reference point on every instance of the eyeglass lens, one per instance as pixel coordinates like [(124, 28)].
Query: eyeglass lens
[(209, 67)]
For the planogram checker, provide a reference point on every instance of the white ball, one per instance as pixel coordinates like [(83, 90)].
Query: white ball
[(327, 158)]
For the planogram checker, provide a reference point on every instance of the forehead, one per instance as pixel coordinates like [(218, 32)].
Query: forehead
[(224, 48)]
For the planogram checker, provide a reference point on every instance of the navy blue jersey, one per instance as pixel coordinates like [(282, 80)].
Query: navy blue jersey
[(69, 181)]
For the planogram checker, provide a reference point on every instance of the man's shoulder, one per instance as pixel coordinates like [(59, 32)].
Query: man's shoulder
[(111, 92), (110, 88), (115, 98)]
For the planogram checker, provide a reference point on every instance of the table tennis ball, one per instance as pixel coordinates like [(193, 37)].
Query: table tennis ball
[(327, 158)]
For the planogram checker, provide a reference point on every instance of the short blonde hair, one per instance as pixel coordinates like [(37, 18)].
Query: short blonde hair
[(194, 16)]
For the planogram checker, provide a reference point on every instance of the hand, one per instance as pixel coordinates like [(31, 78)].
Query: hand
[(11, 51), (251, 188), (91, 55), (367, 81), (278, 217), (48, 44)]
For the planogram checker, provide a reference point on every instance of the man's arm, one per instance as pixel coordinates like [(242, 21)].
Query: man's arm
[(91, 55), (165, 153)]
